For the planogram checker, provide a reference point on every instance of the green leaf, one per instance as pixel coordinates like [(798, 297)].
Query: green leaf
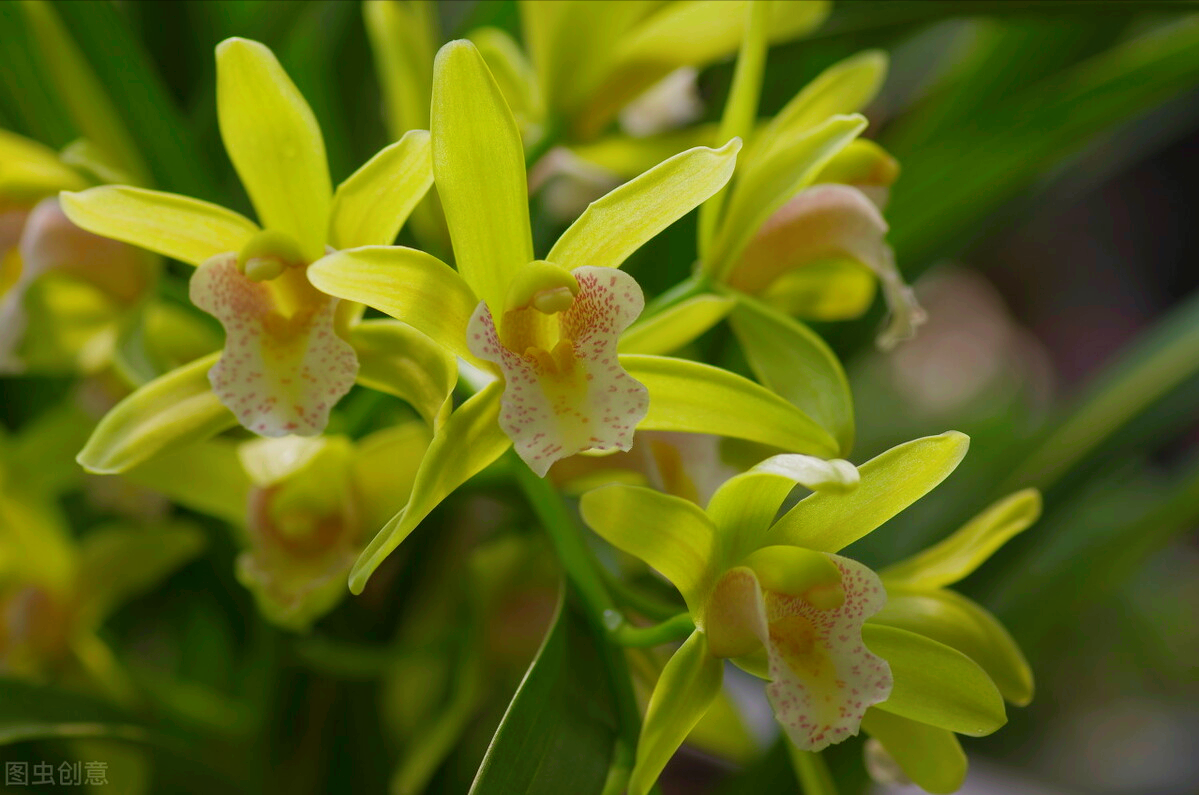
[(559, 733), (403, 39), (931, 757), (791, 360), (275, 144), (374, 202), (613, 227), (479, 165), (468, 440), (699, 398), (671, 534), (961, 624), (170, 411), (27, 95), (968, 548), (688, 685), (397, 359), (935, 684), (185, 229), (410, 285), (672, 328), (890, 482)]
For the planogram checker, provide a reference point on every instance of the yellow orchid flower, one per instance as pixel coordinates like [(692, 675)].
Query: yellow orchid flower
[(773, 596), (63, 291), (544, 332), (287, 358)]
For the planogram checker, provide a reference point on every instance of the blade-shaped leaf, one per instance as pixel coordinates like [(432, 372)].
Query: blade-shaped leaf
[(468, 440), (699, 398), (559, 732), (172, 410)]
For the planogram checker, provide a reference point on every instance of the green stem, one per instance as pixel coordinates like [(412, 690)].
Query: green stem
[(811, 770), (676, 628)]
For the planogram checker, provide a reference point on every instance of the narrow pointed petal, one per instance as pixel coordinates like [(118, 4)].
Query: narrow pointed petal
[(170, 411), (681, 546), (677, 326), (618, 224), (699, 398), (577, 397), (889, 483), (686, 689), (479, 165), (930, 757), (824, 677), (830, 222), (188, 230), (795, 363), (374, 202), (275, 143), (936, 684), (30, 170), (468, 441), (279, 374), (968, 548)]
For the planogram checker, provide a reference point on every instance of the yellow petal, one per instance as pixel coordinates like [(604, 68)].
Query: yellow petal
[(29, 171), (185, 229), (618, 224), (370, 207), (275, 144), (479, 165), (675, 327), (397, 359)]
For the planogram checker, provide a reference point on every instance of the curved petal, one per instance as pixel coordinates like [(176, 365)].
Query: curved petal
[(469, 440), (374, 202), (279, 374), (188, 230), (407, 284), (615, 226), (673, 328), (397, 359), (275, 144), (576, 397), (170, 411), (929, 757), (30, 170), (669, 533), (936, 684), (968, 548), (699, 398), (823, 676), (479, 164), (829, 222), (889, 483), (688, 685)]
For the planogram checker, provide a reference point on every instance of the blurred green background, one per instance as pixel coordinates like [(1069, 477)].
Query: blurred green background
[(1046, 211)]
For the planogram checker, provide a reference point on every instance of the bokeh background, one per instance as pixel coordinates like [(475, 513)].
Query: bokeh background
[(1047, 213)]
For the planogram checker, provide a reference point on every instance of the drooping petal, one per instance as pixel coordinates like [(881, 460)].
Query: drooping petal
[(829, 222), (275, 144), (397, 359), (576, 397), (279, 374), (824, 677)]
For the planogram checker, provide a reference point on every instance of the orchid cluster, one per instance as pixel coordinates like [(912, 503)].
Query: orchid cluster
[(539, 365)]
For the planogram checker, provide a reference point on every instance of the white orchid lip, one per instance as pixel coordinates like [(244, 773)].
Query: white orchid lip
[(565, 391)]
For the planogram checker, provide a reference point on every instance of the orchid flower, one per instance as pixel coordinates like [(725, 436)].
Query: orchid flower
[(290, 351), (63, 291), (775, 598), (547, 331), (925, 749)]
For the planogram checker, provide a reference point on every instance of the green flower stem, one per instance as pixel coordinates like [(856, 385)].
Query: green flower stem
[(677, 628), (606, 619), (811, 770)]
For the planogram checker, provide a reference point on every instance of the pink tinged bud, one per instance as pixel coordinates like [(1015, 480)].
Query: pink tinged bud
[(823, 223), (565, 390), (283, 366)]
